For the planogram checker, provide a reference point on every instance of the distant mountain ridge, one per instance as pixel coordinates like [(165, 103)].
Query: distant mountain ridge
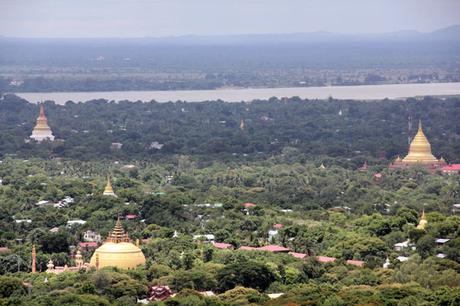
[(451, 33)]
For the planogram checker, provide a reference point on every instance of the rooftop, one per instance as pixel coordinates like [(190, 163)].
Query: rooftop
[(223, 246), (273, 248), (325, 259)]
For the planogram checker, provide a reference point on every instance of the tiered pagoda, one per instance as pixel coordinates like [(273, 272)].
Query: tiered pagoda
[(41, 130), (118, 251), (419, 154)]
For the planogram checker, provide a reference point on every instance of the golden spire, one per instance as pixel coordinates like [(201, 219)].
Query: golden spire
[(108, 190), (242, 125), (422, 224), (41, 130), (420, 149), (118, 234)]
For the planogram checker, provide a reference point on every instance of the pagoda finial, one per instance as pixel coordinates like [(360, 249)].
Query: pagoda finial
[(42, 110), (420, 125), (118, 234)]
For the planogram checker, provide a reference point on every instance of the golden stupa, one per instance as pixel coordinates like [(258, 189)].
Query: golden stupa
[(422, 223), (41, 130), (108, 190), (419, 153), (117, 251)]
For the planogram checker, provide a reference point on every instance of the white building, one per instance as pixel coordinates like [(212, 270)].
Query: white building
[(90, 236)]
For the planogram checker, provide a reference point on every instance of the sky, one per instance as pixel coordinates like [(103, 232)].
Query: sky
[(160, 18)]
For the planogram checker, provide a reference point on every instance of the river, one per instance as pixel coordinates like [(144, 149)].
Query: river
[(362, 92)]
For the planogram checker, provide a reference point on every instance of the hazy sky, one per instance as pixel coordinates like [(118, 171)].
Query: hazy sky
[(140, 18)]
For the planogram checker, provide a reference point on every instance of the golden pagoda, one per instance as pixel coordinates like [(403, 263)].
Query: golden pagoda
[(117, 251), (108, 190), (41, 130), (419, 154), (422, 223)]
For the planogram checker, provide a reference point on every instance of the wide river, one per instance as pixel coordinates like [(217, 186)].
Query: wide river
[(363, 92)]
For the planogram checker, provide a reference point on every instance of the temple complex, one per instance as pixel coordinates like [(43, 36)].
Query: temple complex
[(419, 154), (117, 251), (79, 265), (108, 190), (41, 130)]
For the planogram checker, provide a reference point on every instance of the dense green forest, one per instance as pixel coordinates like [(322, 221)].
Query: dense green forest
[(336, 212), (348, 132), (206, 158)]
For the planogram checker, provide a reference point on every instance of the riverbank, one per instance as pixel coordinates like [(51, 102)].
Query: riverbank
[(362, 92)]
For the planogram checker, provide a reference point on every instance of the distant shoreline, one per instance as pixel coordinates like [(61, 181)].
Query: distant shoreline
[(359, 92)]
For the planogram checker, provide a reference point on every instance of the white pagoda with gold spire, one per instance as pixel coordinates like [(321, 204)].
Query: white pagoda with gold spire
[(108, 190), (41, 130)]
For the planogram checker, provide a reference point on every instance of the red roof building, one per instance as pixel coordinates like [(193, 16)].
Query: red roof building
[(4, 250), (130, 217), (278, 226), (454, 168), (223, 246), (249, 205), (298, 255), (357, 263), (274, 249), (325, 259)]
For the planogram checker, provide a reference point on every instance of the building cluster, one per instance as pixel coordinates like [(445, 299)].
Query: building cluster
[(116, 251)]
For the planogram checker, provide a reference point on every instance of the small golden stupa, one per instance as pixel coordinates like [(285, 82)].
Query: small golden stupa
[(422, 223), (419, 154), (117, 251), (108, 190), (41, 130)]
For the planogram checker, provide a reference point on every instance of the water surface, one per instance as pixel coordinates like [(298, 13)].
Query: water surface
[(362, 92)]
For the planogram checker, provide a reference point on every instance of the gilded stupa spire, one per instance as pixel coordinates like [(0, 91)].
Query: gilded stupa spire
[(41, 130), (108, 190), (420, 149), (422, 223), (118, 234)]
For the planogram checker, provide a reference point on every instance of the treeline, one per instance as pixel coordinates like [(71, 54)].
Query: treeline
[(347, 131)]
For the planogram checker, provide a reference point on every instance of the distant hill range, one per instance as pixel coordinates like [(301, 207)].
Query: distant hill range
[(448, 34)]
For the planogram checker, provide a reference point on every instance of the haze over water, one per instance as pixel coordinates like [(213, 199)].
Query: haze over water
[(364, 92)]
